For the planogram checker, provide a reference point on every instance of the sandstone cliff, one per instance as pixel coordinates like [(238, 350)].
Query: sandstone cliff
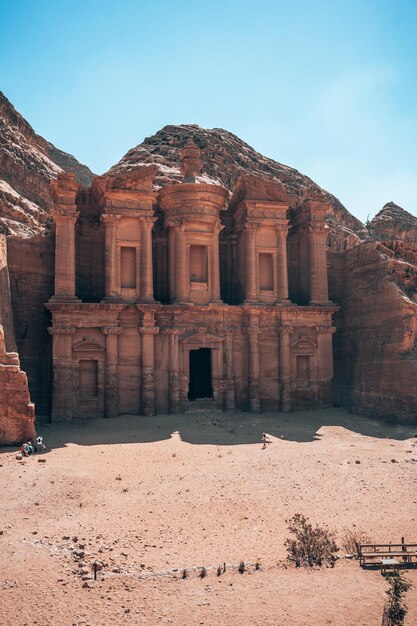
[(375, 347), (27, 165), (17, 413)]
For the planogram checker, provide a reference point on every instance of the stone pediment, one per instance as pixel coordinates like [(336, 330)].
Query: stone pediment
[(88, 344), (259, 188), (138, 179), (201, 339), (303, 345)]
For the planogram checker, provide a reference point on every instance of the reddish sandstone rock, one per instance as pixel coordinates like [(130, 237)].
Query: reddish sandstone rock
[(375, 346), (27, 165), (17, 413)]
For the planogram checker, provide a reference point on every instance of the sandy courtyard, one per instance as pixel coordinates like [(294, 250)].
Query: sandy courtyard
[(149, 497)]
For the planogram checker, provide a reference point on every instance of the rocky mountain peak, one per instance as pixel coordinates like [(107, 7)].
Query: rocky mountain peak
[(393, 213)]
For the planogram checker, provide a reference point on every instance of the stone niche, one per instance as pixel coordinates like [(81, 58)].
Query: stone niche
[(17, 413)]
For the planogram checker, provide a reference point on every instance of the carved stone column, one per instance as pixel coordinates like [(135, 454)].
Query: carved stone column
[(111, 391), (282, 268), (172, 263), (253, 365), (148, 369), (229, 399), (146, 280), (285, 368), (65, 214), (324, 361), (319, 293), (215, 268), (182, 272), (110, 261), (62, 373), (251, 290), (174, 370), (65, 257)]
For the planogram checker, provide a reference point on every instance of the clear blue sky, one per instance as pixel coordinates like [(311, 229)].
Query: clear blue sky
[(328, 87)]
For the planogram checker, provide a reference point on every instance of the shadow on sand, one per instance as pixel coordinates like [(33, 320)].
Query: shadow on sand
[(217, 428)]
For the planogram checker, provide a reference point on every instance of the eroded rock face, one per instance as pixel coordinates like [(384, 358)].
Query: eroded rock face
[(6, 311), (27, 165), (375, 346), (17, 413), (31, 269)]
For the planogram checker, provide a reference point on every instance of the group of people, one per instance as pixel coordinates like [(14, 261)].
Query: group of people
[(29, 447)]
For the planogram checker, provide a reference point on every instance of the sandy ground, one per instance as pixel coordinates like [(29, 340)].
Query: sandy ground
[(151, 496)]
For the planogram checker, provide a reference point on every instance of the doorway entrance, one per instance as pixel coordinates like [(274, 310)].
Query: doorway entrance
[(200, 374)]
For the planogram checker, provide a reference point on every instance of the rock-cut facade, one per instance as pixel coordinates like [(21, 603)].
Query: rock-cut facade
[(164, 296)]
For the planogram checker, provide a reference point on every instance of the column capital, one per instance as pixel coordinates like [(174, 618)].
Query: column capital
[(172, 331), (109, 218), (148, 330), (281, 228), (148, 222), (317, 228), (325, 329), (217, 227), (61, 329), (285, 329), (64, 215), (251, 226), (111, 330)]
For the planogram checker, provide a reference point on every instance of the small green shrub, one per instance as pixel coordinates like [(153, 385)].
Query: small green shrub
[(396, 608), (310, 546)]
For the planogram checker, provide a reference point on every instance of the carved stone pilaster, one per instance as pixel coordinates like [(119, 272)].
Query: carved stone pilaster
[(110, 265), (146, 282), (253, 330), (111, 392), (251, 289), (229, 379), (148, 369), (285, 367), (62, 372), (282, 267), (174, 370), (317, 234)]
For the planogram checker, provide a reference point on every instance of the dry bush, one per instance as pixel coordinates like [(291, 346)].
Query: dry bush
[(310, 546), (351, 537)]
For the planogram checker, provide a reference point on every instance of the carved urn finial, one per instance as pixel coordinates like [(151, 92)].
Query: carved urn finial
[(191, 163)]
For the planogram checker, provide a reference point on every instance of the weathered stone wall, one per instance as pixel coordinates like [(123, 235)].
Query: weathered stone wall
[(375, 346), (31, 270), (6, 314), (17, 413)]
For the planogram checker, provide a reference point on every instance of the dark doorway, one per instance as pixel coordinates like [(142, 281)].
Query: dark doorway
[(200, 374)]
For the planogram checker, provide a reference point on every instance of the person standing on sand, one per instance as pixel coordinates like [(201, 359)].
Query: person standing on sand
[(263, 441), (40, 446)]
